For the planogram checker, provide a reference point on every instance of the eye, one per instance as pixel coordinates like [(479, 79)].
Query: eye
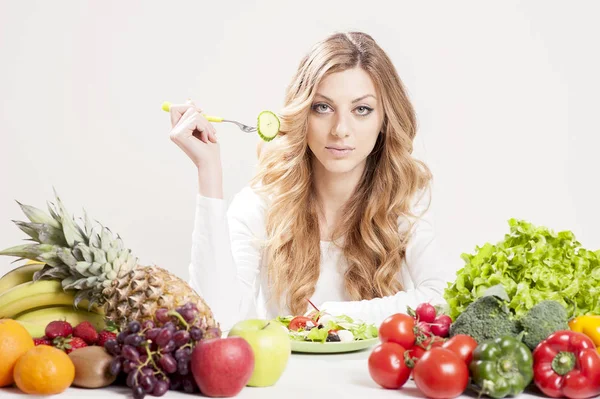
[(321, 108), (364, 110)]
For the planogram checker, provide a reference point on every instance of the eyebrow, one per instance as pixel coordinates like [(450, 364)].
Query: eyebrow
[(353, 101)]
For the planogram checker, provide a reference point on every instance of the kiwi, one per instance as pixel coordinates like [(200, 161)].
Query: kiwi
[(92, 367), (268, 125)]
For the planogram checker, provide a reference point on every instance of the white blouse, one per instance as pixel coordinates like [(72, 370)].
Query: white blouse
[(227, 268)]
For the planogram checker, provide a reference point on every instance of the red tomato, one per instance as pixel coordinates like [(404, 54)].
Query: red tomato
[(463, 346), (419, 350), (387, 366), (398, 328), (441, 374), (299, 322)]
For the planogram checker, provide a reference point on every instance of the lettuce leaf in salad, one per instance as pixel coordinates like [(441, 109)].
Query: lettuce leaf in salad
[(285, 320), (317, 335), (360, 330)]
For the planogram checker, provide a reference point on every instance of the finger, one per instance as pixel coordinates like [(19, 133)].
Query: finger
[(176, 111), (187, 123), (212, 137), (185, 127), (193, 104), (212, 133)]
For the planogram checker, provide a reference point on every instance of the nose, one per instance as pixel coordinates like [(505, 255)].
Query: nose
[(341, 128)]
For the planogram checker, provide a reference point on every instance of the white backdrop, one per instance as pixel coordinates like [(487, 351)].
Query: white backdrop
[(506, 94)]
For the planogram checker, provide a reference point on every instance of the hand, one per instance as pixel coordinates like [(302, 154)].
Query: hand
[(193, 133), (197, 138)]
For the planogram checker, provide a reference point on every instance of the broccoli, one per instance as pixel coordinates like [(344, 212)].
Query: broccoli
[(542, 320), (484, 319)]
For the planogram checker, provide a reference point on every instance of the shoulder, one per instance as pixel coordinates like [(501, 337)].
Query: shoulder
[(421, 213), (248, 207), (247, 198)]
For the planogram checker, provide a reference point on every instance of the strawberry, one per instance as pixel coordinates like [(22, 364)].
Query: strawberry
[(42, 341), (86, 331), (69, 344), (104, 336), (58, 328)]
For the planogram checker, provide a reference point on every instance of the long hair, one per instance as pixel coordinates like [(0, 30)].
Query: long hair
[(372, 243)]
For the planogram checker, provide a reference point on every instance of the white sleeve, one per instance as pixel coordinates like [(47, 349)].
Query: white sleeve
[(425, 266), (226, 253)]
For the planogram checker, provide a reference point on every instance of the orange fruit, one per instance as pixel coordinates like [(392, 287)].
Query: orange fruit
[(14, 342), (44, 370)]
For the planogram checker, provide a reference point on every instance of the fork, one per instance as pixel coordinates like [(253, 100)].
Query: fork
[(211, 118)]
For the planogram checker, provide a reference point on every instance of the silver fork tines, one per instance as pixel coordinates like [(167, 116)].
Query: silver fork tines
[(245, 128)]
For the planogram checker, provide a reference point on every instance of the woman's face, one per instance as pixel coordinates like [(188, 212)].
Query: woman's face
[(345, 120)]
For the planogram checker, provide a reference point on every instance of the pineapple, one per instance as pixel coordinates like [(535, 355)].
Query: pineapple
[(90, 260)]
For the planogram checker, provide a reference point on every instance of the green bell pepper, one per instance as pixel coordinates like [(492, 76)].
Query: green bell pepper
[(501, 367)]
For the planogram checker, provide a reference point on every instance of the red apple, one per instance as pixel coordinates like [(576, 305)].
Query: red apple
[(222, 366)]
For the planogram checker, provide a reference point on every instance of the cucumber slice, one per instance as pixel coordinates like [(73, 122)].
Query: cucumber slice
[(268, 125)]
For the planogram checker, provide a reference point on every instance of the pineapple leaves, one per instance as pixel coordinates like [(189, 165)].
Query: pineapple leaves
[(72, 233), (53, 273), (43, 233), (82, 253), (36, 215)]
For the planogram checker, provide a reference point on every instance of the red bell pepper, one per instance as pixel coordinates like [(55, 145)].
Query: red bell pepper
[(566, 364)]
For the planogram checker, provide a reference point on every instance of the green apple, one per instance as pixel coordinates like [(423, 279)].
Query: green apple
[(271, 346)]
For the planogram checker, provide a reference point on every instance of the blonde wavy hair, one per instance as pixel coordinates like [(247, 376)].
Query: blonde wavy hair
[(370, 239)]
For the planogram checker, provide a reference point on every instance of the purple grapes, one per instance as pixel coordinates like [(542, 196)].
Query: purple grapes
[(162, 315), (115, 366), (183, 367), (169, 347), (170, 326), (160, 388), (196, 333), (130, 353), (138, 392), (147, 382), (188, 315), (163, 337), (155, 355), (152, 334), (147, 324), (112, 347), (121, 337), (168, 363), (134, 327), (181, 337)]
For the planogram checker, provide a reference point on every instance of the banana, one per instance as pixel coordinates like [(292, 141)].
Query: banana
[(35, 330), (68, 313), (19, 275), (38, 294)]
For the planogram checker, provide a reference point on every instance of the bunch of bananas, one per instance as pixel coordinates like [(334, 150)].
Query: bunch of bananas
[(34, 304)]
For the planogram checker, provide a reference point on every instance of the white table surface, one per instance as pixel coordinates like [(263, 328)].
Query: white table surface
[(325, 376)]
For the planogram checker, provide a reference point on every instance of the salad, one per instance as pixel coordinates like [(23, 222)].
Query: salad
[(323, 327)]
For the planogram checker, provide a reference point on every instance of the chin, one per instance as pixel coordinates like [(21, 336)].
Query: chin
[(339, 166)]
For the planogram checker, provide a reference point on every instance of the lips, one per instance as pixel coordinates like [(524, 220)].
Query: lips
[(339, 148), (339, 151)]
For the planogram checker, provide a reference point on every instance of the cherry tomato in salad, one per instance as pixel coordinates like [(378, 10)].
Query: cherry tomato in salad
[(398, 328), (299, 322), (387, 365)]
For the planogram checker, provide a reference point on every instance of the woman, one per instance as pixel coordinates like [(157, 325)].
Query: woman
[(338, 211)]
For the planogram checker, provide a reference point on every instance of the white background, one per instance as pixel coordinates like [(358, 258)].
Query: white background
[(506, 94)]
